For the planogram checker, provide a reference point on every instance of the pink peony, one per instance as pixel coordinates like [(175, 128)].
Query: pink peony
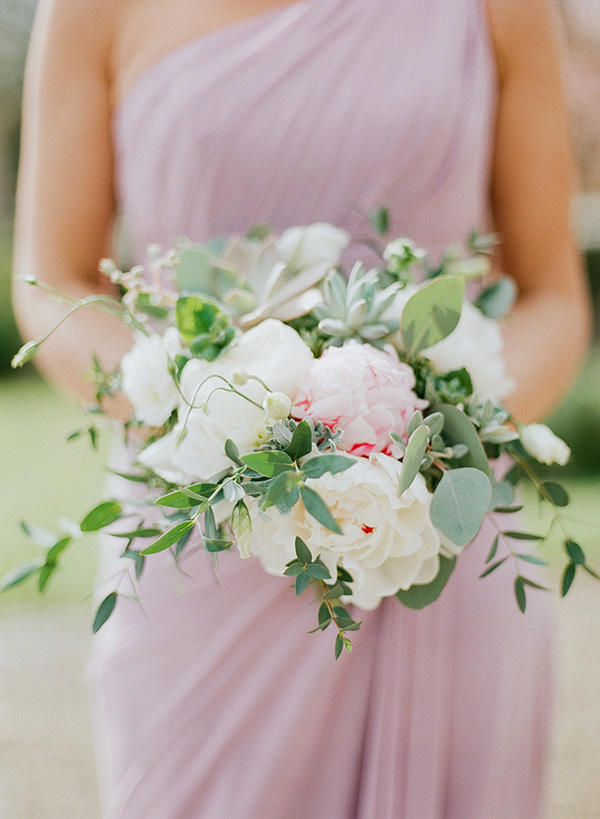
[(364, 392)]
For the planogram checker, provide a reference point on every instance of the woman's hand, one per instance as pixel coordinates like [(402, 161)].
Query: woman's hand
[(65, 200), (532, 192)]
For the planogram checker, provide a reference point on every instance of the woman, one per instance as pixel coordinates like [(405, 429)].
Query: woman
[(215, 703)]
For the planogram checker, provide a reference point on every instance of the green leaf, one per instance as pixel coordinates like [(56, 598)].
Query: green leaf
[(420, 595), (556, 493), (497, 299), (196, 273), (459, 504), (195, 315), (294, 568), (315, 506), (302, 581), (458, 429), (105, 609), (217, 544), (493, 549), (102, 515), (567, 578), (233, 452), (522, 536), (301, 442), (575, 552), (269, 463), (520, 593), (502, 494), (169, 538), (413, 455), (302, 551), (57, 549), (431, 314), (320, 464), (210, 524), (20, 573), (334, 592), (493, 567), (282, 490), (45, 574), (180, 500), (317, 571), (339, 645)]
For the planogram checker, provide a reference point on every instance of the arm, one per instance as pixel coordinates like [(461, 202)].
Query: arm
[(65, 194), (532, 189)]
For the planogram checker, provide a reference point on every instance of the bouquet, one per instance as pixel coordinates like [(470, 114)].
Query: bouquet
[(340, 430)]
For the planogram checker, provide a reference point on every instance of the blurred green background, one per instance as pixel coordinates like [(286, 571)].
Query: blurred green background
[(43, 478)]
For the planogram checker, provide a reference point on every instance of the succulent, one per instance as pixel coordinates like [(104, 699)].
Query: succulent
[(355, 308)]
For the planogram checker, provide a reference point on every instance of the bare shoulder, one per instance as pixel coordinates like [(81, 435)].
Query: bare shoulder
[(525, 32)]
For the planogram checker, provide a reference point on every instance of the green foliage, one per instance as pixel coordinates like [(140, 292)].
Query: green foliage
[(431, 314), (206, 328), (421, 595), (460, 502), (169, 538), (413, 457), (497, 300), (105, 609)]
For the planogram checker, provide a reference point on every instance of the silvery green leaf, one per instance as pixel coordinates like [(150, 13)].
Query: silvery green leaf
[(458, 429), (498, 299), (335, 293), (335, 327), (416, 420), (239, 301), (374, 331), (431, 314), (435, 422), (413, 456), (459, 504), (232, 491), (281, 433), (487, 413), (501, 435), (357, 314)]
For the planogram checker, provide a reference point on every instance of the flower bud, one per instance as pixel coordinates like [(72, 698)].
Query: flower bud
[(277, 405), (546, 447)]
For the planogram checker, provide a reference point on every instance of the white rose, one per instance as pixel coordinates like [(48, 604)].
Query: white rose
[(277, 405), (388, 543), (546, 447), (146, 380), (272, 352), (475, 344), (304, 247)]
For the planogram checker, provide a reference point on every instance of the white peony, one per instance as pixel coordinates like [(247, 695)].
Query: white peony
[(317, 244), (475, 344), (275, 354), (146, 380), (388, 543), (546, 447)]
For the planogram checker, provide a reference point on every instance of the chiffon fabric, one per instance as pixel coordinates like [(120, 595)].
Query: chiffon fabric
[(213, 702)]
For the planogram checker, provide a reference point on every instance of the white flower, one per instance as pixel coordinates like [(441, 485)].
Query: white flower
[(273, 353), (403, 250), (146, 380), (388, 543), (317, 244), (277, 405), (475, 344), (546, 447)]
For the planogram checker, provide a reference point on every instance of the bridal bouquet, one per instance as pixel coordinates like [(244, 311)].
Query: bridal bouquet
[(338, 430)]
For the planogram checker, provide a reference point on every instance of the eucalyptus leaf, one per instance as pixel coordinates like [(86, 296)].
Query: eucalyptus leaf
[(431, 314), (303, 553), (458, 429), (459, 504), (497, 300), (556, 493), (420, 595), (520, 593), (20, 573), (567, 578), (575, 552), (180, 500)]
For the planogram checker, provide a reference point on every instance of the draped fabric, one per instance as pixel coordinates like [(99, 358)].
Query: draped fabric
[(213, 702)]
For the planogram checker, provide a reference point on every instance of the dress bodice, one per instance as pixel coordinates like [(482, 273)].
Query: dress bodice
[(318, 111)]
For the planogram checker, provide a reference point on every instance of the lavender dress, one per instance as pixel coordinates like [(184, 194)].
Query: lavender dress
[(215, 703)]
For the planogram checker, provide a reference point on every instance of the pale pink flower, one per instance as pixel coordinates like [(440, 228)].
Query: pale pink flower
[(364, 392)]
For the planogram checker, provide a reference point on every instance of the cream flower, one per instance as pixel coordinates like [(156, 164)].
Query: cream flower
[(388, 543), (146, 380), (271, 352)]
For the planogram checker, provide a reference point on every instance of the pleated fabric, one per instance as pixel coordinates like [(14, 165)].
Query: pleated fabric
[(213, 702)]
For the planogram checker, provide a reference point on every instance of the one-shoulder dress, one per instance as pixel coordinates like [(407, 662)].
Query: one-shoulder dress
[(213, 702)]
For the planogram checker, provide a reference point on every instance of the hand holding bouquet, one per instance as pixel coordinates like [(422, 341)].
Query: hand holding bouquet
[(338, 430)]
